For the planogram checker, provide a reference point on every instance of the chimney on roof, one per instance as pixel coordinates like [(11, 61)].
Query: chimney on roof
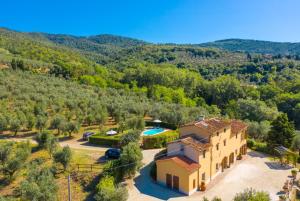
[(201, 118)]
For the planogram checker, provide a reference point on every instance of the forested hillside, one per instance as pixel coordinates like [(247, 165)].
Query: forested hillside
[(173, 82), (256, 46)]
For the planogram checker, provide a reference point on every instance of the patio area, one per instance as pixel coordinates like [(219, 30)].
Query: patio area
[(255, 171)]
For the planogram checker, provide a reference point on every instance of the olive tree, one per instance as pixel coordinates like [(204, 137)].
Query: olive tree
[(131, 159), (39, 185), (47, 141), (63, 157)]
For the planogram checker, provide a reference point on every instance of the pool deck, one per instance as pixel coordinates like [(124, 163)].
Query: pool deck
[(149, 128)]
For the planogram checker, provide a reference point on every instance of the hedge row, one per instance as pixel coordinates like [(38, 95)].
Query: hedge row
[(259, 146), (113, 141), (162, 124), (149, 142), (159, 140)]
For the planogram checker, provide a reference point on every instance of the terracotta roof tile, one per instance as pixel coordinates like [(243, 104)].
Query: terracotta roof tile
[(182, 161), (237, 126), (194, 141), (199, 144), (212, 125)]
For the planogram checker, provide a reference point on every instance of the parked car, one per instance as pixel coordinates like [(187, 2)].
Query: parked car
[(86, 135), (112, 153)]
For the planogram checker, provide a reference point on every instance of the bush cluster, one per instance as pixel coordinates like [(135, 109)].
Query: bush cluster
[(159, 140), (259, 146)]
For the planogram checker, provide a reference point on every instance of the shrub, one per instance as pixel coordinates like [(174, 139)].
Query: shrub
[(113, 141), (250, 143), (259, 146), (282, 197), (294, 172), (112, 168), (131, 136), (7, 198), (252, 195), (107, 191), (159, 140), (263, 147), (131, 159)]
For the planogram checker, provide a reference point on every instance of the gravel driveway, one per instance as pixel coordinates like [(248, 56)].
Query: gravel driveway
[(81, 144), (255, 171)]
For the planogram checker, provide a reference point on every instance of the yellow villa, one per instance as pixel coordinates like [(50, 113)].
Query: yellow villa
[(205, 148)]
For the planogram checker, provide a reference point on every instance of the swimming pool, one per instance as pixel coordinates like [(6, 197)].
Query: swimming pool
[(153, 131)]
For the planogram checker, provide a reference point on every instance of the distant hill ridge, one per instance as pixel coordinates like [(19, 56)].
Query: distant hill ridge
[(103, 39), (102, 42), (255, 46)]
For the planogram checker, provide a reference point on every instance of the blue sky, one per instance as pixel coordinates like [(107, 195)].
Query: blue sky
[(160, 21)]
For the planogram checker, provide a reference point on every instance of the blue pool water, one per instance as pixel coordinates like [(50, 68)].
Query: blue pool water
[(153, 131)]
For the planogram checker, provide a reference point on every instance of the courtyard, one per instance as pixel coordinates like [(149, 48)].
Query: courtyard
[(255, 171)]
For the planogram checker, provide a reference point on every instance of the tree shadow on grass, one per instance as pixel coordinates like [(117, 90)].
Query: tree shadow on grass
[(147, 186), (90, 188), (95, 145), (88, 180)]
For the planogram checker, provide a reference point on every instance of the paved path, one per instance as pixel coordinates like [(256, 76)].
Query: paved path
[(256, 171)]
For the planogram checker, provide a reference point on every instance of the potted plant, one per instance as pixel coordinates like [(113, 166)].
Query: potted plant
[(282, 198), (202, 187), (286, 187), (294, 173)]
